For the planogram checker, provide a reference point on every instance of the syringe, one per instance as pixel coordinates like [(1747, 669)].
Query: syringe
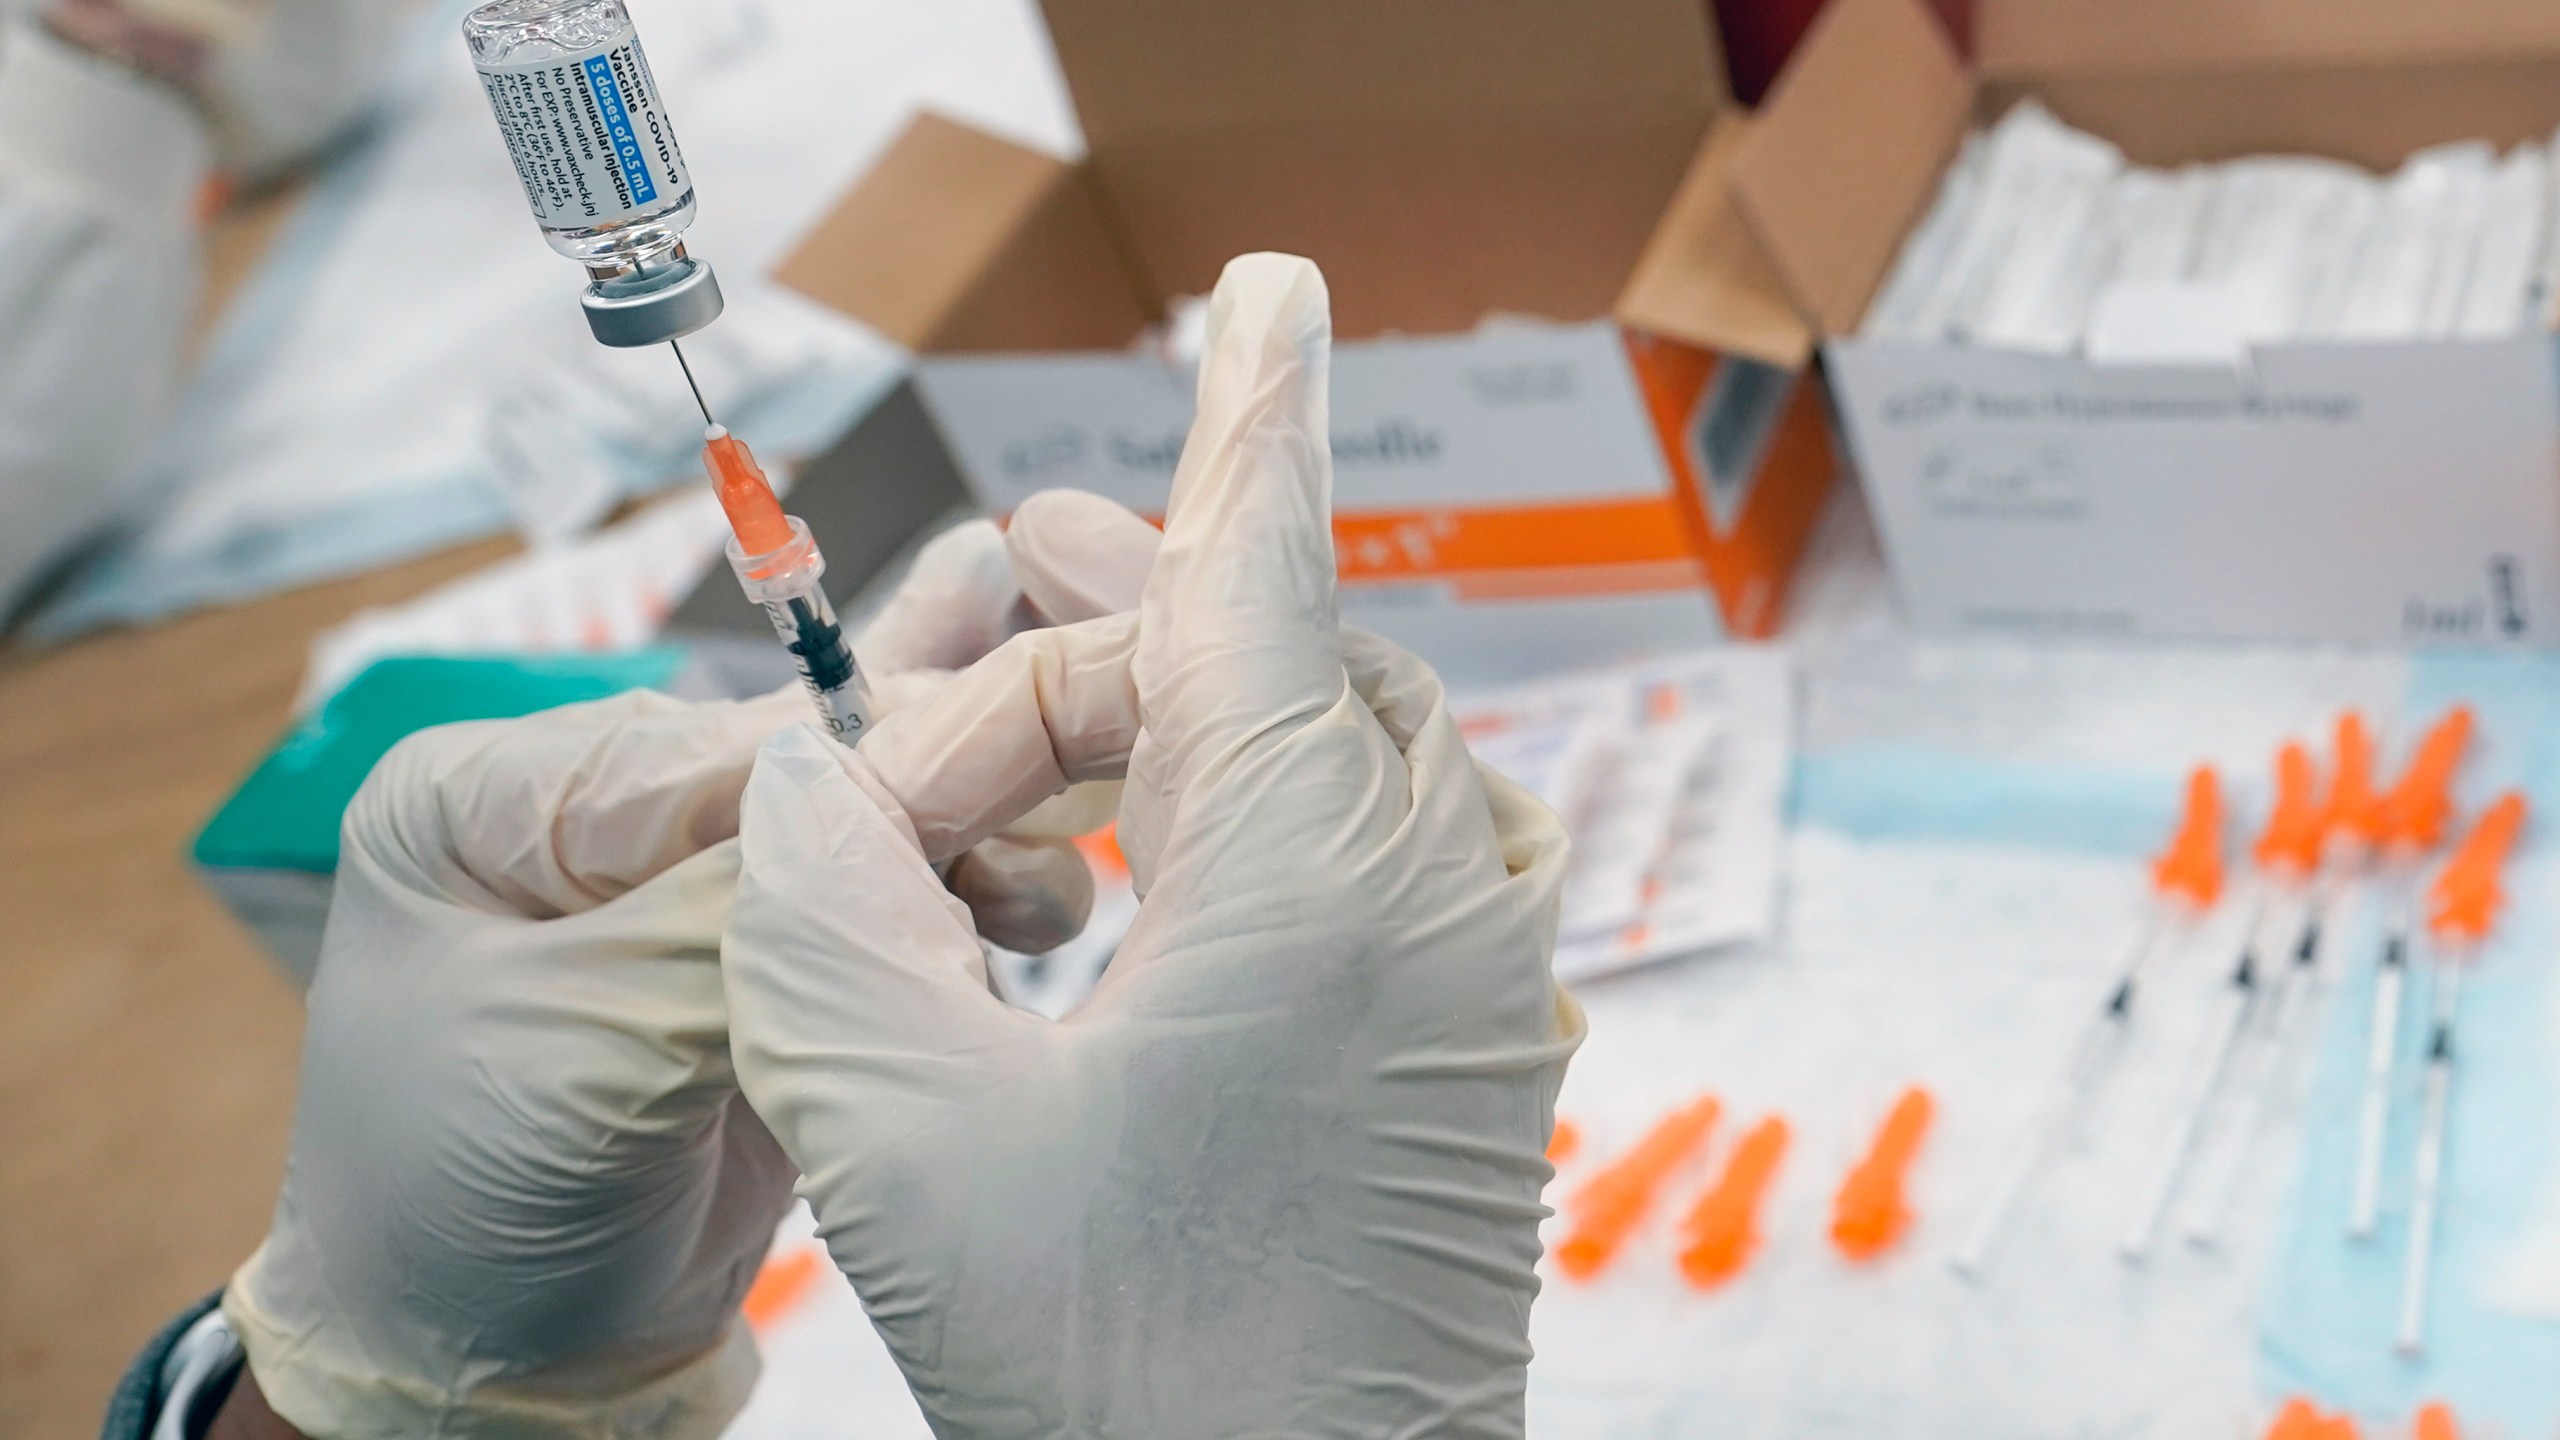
[(582, 118), (779, 567), (2466, 899), (2186, 882), (2411, 821)]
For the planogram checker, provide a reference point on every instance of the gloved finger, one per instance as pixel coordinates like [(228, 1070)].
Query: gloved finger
[(857, 990), (1027, 895), (556, 813), (958, 601), (1048, 708), (1412, 707), (1239, 636), (1079, 555)]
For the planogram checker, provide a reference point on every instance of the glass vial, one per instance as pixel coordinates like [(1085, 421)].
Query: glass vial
[(580, 113)]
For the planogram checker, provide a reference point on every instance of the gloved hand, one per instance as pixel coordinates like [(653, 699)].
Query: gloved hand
[(524, 1197), (1280, 1174), (277, 80), (99, 170)]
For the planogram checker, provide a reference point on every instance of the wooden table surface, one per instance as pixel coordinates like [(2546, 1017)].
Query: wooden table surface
[(147, 1045)]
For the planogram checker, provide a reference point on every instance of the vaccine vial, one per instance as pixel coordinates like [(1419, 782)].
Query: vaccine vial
[(582, 121)]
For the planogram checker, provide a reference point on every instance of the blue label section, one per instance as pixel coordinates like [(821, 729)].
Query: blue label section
[(2330, 1306), (617, 124)]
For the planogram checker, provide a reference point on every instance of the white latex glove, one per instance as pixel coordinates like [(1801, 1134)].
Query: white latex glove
[(99, 172), (1280, 1174), (278, 80), (524, 1197), (296, 75)]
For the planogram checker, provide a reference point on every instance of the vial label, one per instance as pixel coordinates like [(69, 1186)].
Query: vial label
[(586, 134)]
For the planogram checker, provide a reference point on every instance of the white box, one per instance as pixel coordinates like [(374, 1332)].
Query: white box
[(2402, 493), (1448, 452), (2374, 493)]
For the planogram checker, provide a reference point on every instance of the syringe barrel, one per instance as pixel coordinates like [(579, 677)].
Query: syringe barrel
[(785, 582), (583, 123)]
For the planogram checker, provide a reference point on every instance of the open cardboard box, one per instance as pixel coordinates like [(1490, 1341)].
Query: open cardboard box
[(2355, 492), (1628, 457)]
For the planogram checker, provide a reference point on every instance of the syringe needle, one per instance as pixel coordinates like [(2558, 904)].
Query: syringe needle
[(2410, 820), (691, 384), (2187, 879), (2373, 1108), (2463, 902), (2427, 1170), (2238, 999)]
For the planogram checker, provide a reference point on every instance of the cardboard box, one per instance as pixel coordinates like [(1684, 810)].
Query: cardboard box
[(2331, 491), (1628, 458)]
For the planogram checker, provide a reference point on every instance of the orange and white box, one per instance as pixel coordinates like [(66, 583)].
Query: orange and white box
[(1505, 503)]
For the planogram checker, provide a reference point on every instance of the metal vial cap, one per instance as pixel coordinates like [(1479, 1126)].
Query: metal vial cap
[(651, 307)]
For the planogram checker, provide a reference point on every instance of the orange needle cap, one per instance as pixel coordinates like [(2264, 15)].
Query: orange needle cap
[(1609, 1206), (1871, 1210), (2295, 823), (2414, 811), (2354, 808), (755, 517), (1724, 1227), (2192, 865), (2467, 895)]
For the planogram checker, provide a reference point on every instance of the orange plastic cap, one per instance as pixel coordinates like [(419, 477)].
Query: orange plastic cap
[(2302, 1420), (1566, 1139), (746, 497), (2414, 811), (2466, 897), (1723, 1228), (2191, 867), (2298, 1420), (2296, 824), (1871, 1211), (2354, 809), (781, 1285), (1609, 1206), (2435, 1422)]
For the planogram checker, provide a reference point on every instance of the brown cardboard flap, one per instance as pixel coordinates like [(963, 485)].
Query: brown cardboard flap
[(959, 240), (1848, 150), (1147, 67), (2026, 40), (1440, 158), (2372, 116), (1703, 277), (1423, 231)]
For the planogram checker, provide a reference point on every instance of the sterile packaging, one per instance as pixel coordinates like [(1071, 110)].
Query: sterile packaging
[(2276, 234), (1573, 415), (1904, 308), (2045, 205), (2497, 298), (1671, 777), (2311, 393), (2154, 222), (2415, 259)]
